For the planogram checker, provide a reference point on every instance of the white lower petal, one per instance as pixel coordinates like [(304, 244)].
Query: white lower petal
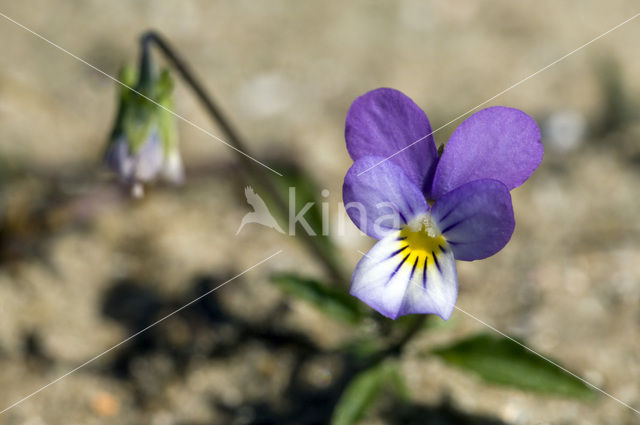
[(391, 278)]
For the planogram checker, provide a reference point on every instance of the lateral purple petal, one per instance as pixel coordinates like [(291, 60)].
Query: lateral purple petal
[(385, 122), (495, 143), (476, 219), (381, 199)]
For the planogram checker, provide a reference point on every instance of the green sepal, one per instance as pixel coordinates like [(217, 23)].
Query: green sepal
[(139, 123), (127, 76), (141, 116), (166, 120)]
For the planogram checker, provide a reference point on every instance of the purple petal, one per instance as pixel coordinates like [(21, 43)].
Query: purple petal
[(396, 282), (385, 122), (476, 219), (495, 143), (381, 199)]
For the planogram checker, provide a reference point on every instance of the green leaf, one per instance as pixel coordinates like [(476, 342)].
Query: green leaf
[(502, 361), (358, 397), (398, 385), (334, 302), (363, 390)]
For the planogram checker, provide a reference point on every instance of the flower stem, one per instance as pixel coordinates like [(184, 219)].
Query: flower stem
[(233, 136)]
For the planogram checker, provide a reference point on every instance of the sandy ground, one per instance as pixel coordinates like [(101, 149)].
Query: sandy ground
[(568, 283)]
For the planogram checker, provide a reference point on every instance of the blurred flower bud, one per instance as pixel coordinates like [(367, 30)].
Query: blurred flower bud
[(565, 130), (144, 145)]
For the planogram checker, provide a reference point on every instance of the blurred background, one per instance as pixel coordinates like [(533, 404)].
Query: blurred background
[(82, 266)]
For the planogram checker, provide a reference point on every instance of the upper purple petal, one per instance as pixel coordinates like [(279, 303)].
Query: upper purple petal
[(385, 122), (381, 199), (495, 143), (476, 219)]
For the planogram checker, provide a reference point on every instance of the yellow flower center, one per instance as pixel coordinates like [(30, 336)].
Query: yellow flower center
[(423, 237), (420, 244)]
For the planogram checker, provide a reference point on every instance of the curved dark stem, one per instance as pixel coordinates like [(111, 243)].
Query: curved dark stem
[(189, 77), (250, 167)]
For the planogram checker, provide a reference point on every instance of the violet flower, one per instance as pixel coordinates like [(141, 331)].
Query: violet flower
[(443, 209)]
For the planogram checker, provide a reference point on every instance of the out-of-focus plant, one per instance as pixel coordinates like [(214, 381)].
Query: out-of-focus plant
[(419, 182), (148, 108), (618, 108), (144, 142)]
